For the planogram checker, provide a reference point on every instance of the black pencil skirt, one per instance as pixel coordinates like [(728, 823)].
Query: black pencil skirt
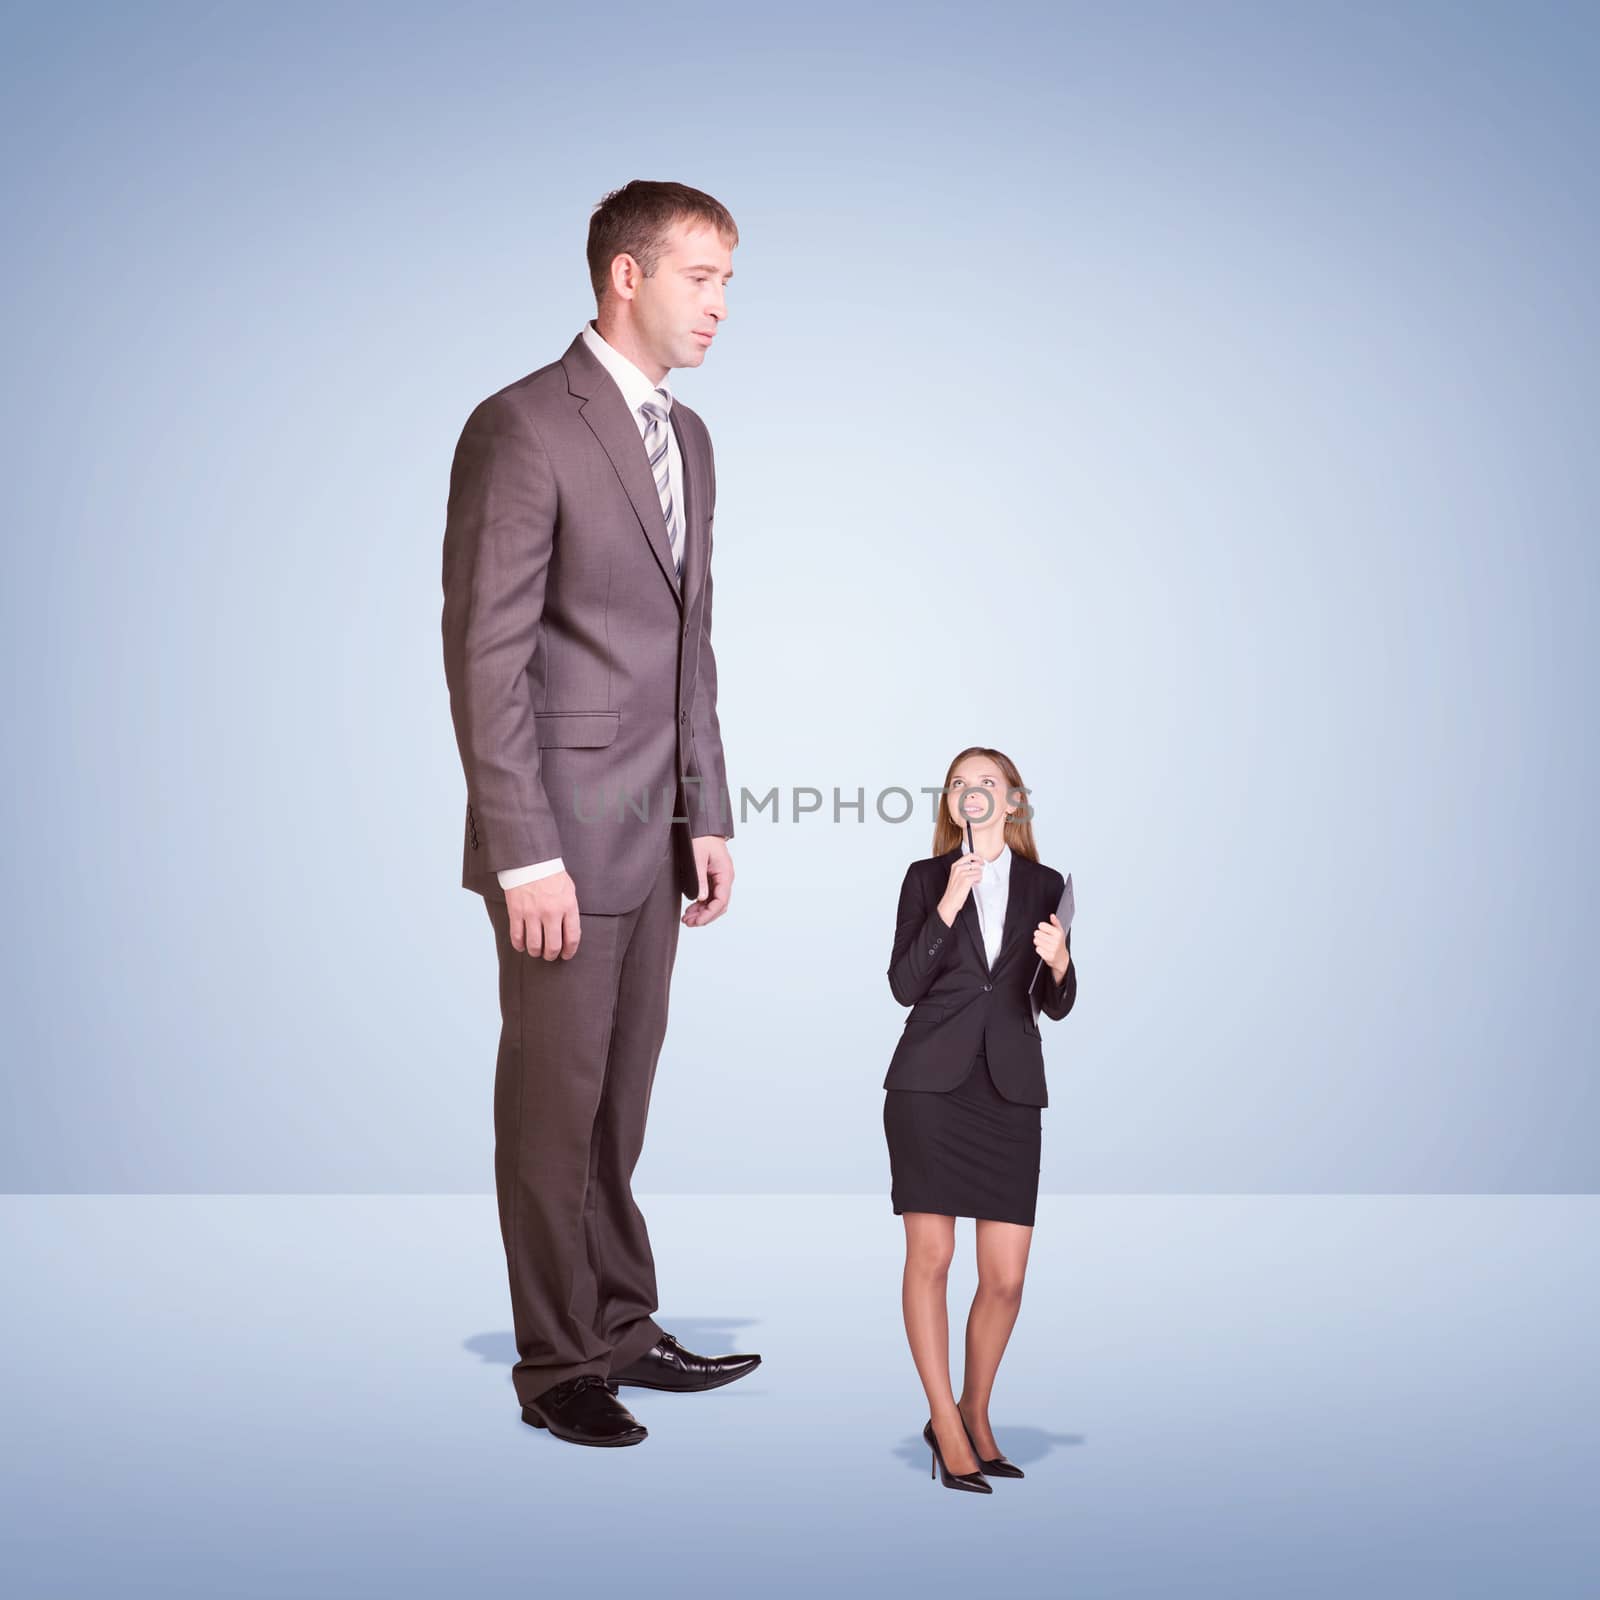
[(966, 1152)]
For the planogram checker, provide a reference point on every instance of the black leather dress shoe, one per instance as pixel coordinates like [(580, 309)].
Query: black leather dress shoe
[(667, 1365), (584, 1410)]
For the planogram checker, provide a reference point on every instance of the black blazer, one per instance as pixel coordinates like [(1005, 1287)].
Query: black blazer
[(957, 1001)]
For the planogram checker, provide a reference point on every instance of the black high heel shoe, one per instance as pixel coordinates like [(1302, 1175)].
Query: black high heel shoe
[(953, 1480), (997, 1466)]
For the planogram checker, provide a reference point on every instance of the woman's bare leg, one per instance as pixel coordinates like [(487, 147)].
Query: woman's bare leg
[(1002, 1264), (930, 1243)]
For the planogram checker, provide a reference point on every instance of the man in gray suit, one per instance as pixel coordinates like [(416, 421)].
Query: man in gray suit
[(583, 689)]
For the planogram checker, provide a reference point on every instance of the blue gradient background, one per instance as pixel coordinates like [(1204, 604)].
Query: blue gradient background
[(1195, 401)]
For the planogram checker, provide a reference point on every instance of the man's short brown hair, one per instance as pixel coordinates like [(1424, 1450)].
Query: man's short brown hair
[(636, 219)]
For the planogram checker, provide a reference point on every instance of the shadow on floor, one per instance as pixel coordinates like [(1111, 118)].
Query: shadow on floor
[(1019, 1444), (706, 1336)]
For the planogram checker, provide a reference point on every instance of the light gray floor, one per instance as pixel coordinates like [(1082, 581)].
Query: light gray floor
[(1284, 1396)]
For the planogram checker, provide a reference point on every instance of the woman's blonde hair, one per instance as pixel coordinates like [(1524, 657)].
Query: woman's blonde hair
[(947, 833)]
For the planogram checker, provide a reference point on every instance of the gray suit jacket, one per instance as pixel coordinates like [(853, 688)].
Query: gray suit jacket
[(582, 683)]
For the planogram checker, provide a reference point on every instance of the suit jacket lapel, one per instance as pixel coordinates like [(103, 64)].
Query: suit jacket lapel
[(1017, 927), (967, 916), (694, 524), (1018, 892), (1018, 887), (606, 412)]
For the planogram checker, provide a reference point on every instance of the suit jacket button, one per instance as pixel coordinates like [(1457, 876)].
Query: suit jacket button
[(987, 987)]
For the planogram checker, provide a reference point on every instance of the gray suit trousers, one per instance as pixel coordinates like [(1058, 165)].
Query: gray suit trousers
[(579, 1041)]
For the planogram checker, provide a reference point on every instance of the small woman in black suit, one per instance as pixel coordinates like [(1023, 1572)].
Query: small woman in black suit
[(965, 1086)]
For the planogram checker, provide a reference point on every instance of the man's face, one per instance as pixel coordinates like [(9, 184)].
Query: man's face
[(679, 308)]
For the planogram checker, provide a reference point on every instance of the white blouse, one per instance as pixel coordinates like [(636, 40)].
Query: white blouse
[(992, 891)]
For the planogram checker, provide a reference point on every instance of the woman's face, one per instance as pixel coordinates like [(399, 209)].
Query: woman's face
[(978, 793)]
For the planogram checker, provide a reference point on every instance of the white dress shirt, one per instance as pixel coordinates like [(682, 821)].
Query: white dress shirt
[(992, 891), (636, 389)]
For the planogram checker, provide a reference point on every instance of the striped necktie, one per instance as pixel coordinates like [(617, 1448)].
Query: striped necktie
[(655, 445)]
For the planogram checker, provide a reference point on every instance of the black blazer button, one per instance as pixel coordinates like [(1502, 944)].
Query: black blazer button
[(987, 987)]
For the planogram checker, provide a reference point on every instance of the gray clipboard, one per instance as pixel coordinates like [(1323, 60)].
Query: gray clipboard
[(1064, 914)]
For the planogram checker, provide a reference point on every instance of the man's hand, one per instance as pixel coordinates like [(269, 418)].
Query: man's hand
[(715, 868), (544, 917)]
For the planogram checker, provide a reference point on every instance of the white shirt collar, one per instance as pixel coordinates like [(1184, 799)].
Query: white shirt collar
[(1001, 862), (635, 386)]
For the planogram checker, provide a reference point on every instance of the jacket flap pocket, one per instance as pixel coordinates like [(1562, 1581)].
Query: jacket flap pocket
[(567, 728), (925, 1013)]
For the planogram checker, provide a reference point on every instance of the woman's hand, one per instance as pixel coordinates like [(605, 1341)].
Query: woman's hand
[(965, 871), (1050, 940)]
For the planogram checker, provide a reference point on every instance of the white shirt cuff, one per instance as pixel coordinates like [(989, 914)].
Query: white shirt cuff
[(510, 877)]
